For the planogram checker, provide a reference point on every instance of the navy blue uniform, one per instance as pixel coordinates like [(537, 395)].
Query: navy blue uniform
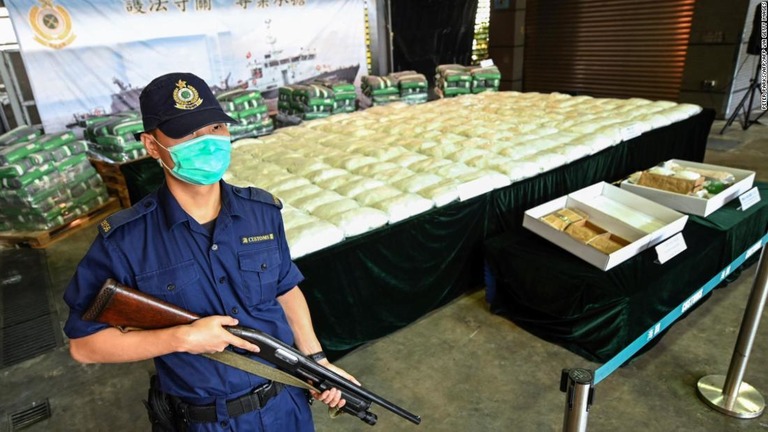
[(238, 270)]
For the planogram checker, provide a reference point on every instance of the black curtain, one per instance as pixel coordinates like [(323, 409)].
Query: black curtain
[(428, 33)]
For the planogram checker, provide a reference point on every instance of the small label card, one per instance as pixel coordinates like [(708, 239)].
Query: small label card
[(486, 63), (629, 132), (749, 198), (471, 189), (673, 246)]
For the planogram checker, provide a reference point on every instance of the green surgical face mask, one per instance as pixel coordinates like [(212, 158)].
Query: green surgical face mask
[(200, 161)]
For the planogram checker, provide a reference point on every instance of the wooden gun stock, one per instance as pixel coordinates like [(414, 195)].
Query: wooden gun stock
[(124, 307)]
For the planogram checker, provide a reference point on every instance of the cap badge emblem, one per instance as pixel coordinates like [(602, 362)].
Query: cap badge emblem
[(186, 96)]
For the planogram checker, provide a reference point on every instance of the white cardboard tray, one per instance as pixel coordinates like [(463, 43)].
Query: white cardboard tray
[(691, 204), (589, 200)]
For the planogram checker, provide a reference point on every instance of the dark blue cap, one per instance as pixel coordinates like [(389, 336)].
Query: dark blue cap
[(178, 104)]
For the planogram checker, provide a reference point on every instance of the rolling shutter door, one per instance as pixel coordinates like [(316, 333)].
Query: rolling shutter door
[(614, 48)]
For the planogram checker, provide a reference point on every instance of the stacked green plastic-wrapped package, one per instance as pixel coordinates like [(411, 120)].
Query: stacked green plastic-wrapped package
[(285, 102), (453, 80), (307, 102), (19, 135), (45, 180), (485, 78), (413, 86), (112, 137), (344, 95), (250, 110), (381, 90), (287, 110), (314, 101)]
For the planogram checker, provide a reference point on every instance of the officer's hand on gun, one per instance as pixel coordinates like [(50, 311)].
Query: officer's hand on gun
[(334, 398), (208, 335)]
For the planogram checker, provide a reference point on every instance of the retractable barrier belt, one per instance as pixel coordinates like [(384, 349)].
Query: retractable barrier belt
[(611, 365)]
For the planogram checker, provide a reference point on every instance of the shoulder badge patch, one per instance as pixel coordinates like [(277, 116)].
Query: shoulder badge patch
[(256, 194), (105, 226), (114, 221), (186, 96)]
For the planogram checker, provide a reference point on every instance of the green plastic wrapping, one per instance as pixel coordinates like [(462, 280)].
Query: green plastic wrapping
[(16, 152), (19, 134)]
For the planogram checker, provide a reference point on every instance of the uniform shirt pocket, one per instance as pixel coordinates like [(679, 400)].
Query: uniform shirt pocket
[(260, 270), (170, 283)]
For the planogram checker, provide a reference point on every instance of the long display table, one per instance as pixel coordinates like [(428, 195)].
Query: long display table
[(561, 298), (371, 285)]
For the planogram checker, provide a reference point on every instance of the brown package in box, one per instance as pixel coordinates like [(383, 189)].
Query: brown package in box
[(669, 183), (607, 243), (596, 237), (561, 219), (583, 232)]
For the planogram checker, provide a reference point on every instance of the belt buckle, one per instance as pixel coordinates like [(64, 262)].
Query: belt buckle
[(262, 390)]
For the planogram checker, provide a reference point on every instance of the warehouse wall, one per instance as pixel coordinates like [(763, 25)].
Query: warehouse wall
[(712, 69)]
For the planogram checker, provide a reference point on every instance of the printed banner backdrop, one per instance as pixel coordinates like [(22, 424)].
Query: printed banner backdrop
[(94, 56)]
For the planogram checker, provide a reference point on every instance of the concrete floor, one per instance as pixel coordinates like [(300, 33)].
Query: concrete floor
[(460, 367)]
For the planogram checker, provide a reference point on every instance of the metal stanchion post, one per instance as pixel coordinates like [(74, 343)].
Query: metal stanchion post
[(729, 394), (577, 385)]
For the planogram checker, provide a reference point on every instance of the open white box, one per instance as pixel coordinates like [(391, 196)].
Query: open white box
[(691, 204), (640, 221)]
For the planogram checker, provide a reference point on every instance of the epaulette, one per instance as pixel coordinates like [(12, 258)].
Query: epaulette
[(260, 195), (114, 221)]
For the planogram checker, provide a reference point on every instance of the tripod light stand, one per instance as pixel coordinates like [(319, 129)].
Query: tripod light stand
[(754, 86), (754, 45)]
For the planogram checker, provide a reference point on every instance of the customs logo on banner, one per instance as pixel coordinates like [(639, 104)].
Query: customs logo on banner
[(51, 24)]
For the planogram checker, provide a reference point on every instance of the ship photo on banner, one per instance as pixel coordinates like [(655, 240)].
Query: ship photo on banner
[(93, 57)]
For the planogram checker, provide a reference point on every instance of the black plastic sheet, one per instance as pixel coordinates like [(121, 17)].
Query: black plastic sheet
[(428, 33), (142, 177)]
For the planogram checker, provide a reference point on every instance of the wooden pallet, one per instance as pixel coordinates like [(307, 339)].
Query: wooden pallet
[(114, 180), (43, 239)]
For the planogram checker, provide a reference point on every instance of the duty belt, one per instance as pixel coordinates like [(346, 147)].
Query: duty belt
[(250, 402)]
